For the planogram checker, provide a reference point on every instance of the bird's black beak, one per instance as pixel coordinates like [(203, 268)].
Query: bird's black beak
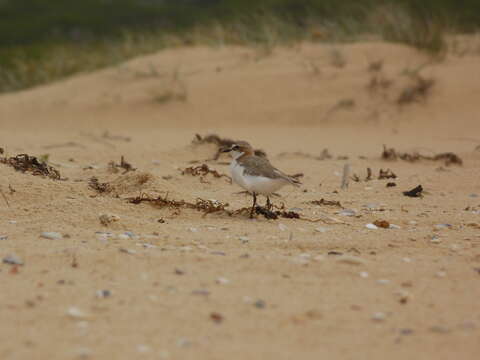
[(225, 149)]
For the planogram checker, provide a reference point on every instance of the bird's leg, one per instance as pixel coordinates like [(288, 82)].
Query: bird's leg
[(268, 204), (253, 206)]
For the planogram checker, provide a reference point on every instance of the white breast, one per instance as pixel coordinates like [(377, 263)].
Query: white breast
[(258, 184)]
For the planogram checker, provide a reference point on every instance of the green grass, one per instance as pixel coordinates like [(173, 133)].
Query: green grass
[(44, 41)]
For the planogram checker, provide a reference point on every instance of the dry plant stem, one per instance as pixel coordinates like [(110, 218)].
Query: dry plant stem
[(346, 176)]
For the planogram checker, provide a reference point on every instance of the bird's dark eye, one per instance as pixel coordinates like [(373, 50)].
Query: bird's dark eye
[(235, 147)]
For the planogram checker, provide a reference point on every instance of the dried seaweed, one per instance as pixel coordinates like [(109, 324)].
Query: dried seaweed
[(205, 206), (99, 187), (417, 91), (202, 171), (322, 201), (415, 192), (123, 165), (324, 155), (221, 143), (30, 164), (448, 157), (386, 174)]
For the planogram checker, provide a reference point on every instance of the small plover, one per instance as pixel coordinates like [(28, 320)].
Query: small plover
[(255, 174)]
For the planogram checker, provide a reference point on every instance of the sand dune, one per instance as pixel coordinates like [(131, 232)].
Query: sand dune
[(188, 285)]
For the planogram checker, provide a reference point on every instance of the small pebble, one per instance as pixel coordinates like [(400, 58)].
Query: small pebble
[(76, 313), (348, 212), (102, 294), (321, 230), (395, 227), (439, 329), (371, 226), (350, 260), (379, 316), (435, 240), (383, 281), (3, 237), (260, 304), (222, 281), (51, 235), (143, 349), (12, 260)]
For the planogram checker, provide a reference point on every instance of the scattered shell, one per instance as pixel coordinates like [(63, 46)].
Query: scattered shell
[(244, 239), (51, 235), (383, 281), (76, 313), (350, 260), (379, 316), (12, 260), (107, 219), (222, 281), (371, 226), (393, 226)]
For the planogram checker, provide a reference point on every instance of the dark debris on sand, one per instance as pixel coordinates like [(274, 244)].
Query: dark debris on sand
[(114, 167), (203, 170), (448, 157), (415, 192), (30, 164), (99, 187)]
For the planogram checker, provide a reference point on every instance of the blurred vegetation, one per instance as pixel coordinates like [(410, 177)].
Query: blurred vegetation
[(45, 40)]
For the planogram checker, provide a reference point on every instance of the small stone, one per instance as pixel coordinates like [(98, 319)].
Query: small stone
[(383, 281), (202, 292), (382, 224), (3, 237), (216, 317), (379, 316), (348, 212), (350, 260), (184, 342), (222, 281), (12, 260), (439, 329), (260, 304), (107, 219), (143, 349), (321, 230), (219, 253), (371, 226), (76, 313), (442, 226), (51, 235), (435, 240), (244, 239), (127, 251), (102, 294)]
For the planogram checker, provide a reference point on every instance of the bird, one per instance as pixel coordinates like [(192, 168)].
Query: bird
[(255, 173)]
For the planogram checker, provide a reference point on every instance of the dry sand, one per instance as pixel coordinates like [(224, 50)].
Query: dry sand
[(275, 288)]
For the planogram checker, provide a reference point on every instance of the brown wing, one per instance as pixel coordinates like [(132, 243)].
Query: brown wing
[(260, 166)]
